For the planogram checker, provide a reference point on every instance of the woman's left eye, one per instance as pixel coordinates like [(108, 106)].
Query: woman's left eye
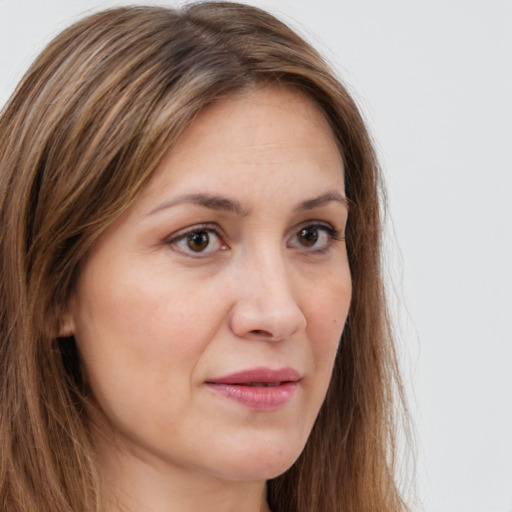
[(198, 242), (316, 237)]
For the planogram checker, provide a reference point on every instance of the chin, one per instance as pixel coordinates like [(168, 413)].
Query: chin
[(261, 462)]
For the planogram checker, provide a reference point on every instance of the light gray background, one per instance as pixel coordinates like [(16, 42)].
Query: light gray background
[(434, 80)]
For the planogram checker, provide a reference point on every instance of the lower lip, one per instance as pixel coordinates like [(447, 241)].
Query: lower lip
[(259, 398)]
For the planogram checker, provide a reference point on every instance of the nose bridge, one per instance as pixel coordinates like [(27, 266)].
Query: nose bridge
[(271, 274), (266, 300)]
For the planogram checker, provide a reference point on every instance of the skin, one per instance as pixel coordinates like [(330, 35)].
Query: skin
[(155, 318)]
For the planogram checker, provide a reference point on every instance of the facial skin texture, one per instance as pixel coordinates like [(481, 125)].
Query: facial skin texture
[(155, 320)]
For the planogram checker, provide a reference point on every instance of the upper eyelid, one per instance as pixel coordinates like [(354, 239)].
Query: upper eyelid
[(210, 227), (315, 223)]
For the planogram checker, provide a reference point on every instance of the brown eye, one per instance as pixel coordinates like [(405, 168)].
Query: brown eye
[(308, 236), (198, 241), (315, 238)]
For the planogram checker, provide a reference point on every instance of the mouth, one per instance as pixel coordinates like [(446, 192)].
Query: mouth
[(260, 376), (262, 384), (259, 389)]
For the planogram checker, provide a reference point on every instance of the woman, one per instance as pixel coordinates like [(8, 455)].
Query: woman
[(190, 224)]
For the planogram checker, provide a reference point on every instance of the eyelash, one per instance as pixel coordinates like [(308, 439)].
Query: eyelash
[(200, 228), (332, 233)]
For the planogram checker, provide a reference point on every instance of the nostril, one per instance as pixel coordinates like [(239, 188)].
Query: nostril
[(262, 333)]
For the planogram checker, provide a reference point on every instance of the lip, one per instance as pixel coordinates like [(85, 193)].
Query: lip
[(261, 389)]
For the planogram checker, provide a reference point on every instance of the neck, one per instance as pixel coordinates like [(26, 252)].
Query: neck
[(135, 484)]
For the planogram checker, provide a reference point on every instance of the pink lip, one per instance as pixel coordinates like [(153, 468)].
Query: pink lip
[(260, 389)]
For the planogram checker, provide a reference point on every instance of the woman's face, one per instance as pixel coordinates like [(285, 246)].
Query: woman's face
[(208, 317)]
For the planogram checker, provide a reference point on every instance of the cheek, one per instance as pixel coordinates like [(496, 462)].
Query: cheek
[(327, 314), (142, 324), (140, 340)]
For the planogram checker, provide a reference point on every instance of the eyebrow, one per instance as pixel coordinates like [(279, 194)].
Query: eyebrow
[(322, 200), (211, 201), (221, 203)]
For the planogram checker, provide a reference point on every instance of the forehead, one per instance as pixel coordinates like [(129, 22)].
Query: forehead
[(256, 117), (273, 135)]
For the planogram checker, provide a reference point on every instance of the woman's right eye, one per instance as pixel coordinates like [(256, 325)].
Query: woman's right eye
[(198, 242)]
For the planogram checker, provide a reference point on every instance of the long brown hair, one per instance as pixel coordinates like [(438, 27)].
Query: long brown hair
[(80, 137)]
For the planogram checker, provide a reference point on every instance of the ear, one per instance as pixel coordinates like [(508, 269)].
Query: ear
[(66, 325)]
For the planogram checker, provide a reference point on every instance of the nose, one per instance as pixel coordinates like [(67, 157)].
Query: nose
[(266, 305)]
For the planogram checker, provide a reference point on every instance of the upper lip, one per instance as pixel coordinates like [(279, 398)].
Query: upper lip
[(263, 375)]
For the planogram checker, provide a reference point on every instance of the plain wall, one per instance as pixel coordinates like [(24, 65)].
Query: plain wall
[(434, 80)]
